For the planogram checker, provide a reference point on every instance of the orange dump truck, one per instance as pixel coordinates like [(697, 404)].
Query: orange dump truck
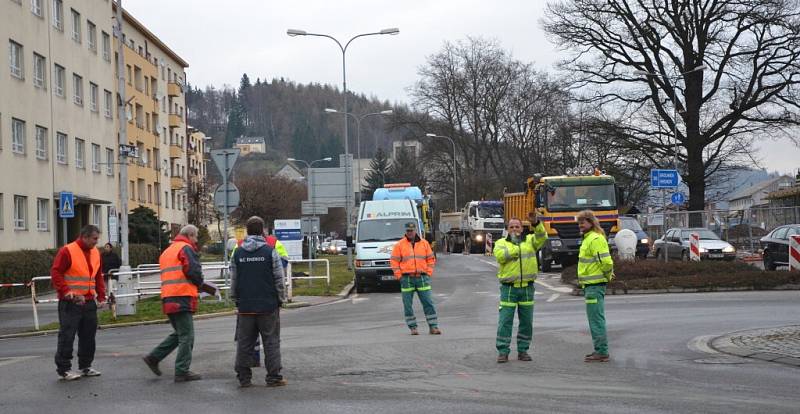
[(558, 199)]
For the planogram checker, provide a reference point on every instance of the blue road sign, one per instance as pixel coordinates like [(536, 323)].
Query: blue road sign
[(66, 207), (678, 198), (664, 178)]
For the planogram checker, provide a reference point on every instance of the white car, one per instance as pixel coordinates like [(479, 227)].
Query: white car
[(676, 244)]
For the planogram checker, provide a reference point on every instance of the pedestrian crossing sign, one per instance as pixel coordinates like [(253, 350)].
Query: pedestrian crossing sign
[(66, 207)]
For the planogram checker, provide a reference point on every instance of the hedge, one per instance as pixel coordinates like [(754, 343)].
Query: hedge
[(21, 266), (705, 275)]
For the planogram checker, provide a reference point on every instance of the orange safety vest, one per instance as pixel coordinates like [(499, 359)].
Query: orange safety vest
[(79, 279), (412, 260), (173, 281)]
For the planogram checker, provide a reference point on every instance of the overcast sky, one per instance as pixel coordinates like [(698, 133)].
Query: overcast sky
[(222, 40)]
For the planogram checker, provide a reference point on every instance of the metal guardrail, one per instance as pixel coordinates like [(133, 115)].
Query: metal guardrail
[(152, 288)]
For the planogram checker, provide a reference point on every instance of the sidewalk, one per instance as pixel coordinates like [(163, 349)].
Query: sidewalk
[(780, 344)]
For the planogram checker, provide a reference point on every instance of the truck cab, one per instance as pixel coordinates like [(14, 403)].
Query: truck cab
[(381, 224)]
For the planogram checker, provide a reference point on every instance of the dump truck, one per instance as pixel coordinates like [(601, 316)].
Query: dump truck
[(477, 219), (558, 199)]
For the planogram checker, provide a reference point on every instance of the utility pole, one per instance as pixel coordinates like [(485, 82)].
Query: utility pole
[(123, 137)]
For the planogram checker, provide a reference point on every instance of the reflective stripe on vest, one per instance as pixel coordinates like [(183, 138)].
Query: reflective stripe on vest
[(79, 278), (173, 281)]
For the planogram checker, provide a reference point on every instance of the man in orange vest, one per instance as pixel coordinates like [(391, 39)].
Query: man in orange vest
[(412, 263), (181, 276), (76, 277)]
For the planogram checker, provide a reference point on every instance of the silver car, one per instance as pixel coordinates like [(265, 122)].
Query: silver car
[(676, 244)]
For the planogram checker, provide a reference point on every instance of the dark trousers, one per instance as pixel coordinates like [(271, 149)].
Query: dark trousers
[(76, 319), (249, 327), (182, 337)]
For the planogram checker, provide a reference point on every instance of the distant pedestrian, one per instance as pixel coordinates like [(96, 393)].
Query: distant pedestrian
[(76, 277), (595, 270), (111, 261), (488, 248), (412, 263), (181, 276), (258, 288), (518, 267)]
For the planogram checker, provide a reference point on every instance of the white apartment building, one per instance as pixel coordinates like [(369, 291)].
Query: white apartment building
[(57, 129)]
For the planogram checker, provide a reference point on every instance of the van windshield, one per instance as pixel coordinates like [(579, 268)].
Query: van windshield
[(382, 230)]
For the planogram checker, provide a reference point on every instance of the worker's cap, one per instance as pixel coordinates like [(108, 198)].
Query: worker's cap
[(411, 226)]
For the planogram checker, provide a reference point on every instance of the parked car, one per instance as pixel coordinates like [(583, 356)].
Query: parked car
[(323, 247), (775, 246), (337, 247), (643, 240), (676, 243)]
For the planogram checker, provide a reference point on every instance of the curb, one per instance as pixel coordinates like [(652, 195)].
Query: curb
[(291, 305), (724, 344), (622, 291)]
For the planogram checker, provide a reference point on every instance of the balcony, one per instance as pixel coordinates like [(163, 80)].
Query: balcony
[(175, 121), (175, 151), (176, 182), (174, 89)]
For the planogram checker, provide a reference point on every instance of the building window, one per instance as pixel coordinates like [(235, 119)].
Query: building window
[(61, 148), (79, 152), (16, 59), (17, 136), (93, 91), (109, 161), (20, 212), (76, 26), (58, 14), (42, 214), (41, 143), (107, 103), (95, 158), (106, 47), (156, 191), (77, 89), (59, 79), (2, 216), (97, 216), (131, 192), (91, 34), (39, 71), (36, 7)]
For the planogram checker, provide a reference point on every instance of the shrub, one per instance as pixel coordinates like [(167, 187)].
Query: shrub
[(705, 275), (143, 254)]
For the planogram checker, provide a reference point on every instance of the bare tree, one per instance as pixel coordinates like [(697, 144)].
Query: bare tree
[(750, 50), (269, 197)]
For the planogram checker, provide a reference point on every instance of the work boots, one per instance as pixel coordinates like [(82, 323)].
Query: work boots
[(524, 356), (189, 376), (435, 331), (501, 359), (595, 357), (414, 331)]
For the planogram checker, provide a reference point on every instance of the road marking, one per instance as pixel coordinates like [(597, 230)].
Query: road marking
[(553, 297), (11, 360), (489, 263), (700, 344)]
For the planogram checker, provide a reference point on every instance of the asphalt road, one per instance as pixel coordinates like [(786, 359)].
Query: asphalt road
[(355, 356)]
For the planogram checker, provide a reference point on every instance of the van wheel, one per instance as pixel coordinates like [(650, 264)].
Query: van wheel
[(359, 287), (547, 265)]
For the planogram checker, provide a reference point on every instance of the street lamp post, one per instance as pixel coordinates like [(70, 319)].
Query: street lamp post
[(674, 98), (348, 175), (455, 186), (358, 120), (311, 251)]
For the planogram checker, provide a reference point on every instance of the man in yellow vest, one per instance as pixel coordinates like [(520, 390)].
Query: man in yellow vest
[(516, 256), (76, 277), (181, 276)]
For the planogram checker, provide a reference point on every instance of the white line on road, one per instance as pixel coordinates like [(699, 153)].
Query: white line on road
[(700, 344), (553, 297), (11, 360)]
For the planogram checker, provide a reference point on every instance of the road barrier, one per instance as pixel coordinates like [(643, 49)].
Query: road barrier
[(794, 252), (694, 247), (152, 288)]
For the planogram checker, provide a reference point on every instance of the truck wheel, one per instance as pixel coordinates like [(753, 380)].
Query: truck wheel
[(547, 265), (359, 286)]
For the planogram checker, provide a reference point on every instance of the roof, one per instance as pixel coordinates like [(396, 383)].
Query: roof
[(150, 35), (250, 140), (785, 193), (749, 191)]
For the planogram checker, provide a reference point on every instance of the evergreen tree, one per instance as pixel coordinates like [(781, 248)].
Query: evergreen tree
[(380, 168), (407, 169), (243, 99), (145, 228)]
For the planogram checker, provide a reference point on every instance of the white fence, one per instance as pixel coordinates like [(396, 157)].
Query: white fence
[(152, 288)]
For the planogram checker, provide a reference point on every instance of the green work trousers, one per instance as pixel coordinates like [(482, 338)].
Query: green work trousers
[(182, 338), (595, 311), (421, 285), (519, 299)]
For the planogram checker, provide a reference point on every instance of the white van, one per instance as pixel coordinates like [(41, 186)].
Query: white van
[(380, 225)]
